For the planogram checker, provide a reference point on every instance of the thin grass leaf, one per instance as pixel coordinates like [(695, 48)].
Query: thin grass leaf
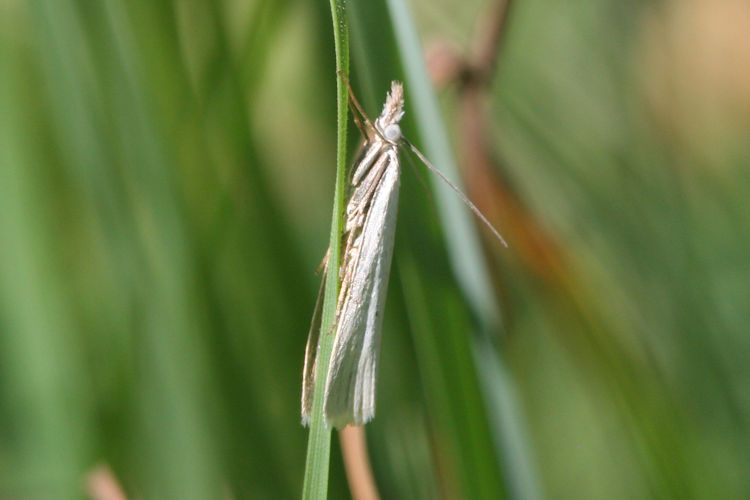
[(319, 442), (50, 408), (467, 260)]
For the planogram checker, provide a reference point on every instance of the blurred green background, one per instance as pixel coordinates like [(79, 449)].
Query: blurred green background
[(166, 180)]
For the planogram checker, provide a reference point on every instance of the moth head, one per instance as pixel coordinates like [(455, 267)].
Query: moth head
[(392, 132)]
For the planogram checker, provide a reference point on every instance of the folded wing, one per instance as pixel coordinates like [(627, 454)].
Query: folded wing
[(350, 386)]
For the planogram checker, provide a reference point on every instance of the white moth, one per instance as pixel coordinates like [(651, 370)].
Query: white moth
[(370, 223)]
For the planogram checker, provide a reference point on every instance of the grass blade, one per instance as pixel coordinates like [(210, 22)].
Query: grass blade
[(319, 442), (468, 262)]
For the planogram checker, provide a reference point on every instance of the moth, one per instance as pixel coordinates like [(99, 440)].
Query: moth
[(370, 223)]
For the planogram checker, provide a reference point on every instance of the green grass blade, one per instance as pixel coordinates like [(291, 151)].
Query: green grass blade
[(462, 241), (464, 247), (50, 405), (319, 442)]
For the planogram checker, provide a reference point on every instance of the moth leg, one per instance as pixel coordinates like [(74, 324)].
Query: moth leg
[(354, 102), (356, 105), (357, 121)]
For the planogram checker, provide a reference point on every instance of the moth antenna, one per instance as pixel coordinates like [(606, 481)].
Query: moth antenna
[(420, 178), (460, 193)]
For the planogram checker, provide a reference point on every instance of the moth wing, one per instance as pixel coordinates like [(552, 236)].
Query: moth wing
[(311, 355), (350, 385)]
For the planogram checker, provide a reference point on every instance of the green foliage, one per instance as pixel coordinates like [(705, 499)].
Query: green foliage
[(166, 178), (319, 442)]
